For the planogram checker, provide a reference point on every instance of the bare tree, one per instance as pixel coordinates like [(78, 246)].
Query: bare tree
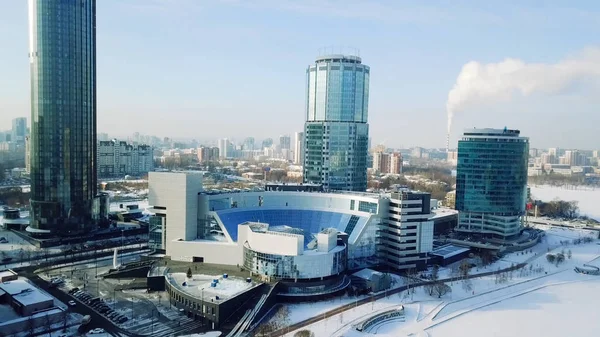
[(64, 317), (441, 289), (282, 317), (21, 254), (464, 268), (304, 333), (560, 258), (47, 324), (429, 288), (435, 272), (264, 329), (30, 326), (569, 254), (411, 279), (467, 285)]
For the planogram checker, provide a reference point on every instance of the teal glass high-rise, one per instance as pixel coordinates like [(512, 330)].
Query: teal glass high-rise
[(336, 132), (491, 182), (62, 56)]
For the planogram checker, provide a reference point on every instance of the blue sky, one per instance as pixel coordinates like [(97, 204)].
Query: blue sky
[(236, 68)]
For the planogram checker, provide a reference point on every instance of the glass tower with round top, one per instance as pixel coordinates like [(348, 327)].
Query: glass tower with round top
[(62, 57), (336, 132)]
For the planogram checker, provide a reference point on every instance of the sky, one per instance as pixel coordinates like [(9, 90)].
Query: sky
[(235, 68)]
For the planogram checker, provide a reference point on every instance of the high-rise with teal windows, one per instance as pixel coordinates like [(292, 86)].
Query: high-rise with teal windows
[(336, 132), (62, 58), (491, 182)]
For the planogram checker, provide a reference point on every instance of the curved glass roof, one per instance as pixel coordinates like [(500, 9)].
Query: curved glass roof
[(310, 222)]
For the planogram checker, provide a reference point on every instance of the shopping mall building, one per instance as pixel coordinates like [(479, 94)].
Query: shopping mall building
[(288, 233)]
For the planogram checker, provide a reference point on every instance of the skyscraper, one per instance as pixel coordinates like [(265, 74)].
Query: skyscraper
[(19, 130), (267, 143), (336, 132), (491, 182), (62, 58), (285, 142), (299, 148), (224, 148), (249, 144)]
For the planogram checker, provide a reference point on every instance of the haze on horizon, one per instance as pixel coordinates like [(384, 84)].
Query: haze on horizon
[(232, 68)]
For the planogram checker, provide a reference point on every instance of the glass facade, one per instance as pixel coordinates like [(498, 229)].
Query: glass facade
[(295, 267), (336, 130), (491, 181), (62, 55), (309, 221)]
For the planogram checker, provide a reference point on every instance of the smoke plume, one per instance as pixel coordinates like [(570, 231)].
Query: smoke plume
[(480, 83)]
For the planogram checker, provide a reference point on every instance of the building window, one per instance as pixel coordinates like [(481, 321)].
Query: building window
[(369, 207)]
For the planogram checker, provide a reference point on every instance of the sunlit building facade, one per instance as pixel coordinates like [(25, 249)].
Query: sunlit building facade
[(62, 58), (491, 182), (336, 132)]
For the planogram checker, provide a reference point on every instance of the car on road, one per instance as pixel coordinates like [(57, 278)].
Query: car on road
[(72, 303), (96, 331)]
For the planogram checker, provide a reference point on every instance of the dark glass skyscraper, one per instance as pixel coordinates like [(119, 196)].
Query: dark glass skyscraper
[(491, 182), (62, 56), (336, 132)]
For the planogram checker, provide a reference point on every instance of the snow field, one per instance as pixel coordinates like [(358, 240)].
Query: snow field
[(588, 198), (527, 291)]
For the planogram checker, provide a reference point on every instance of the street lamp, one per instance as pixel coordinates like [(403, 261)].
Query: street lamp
[(122, 237), (202, 305), (152, 319)]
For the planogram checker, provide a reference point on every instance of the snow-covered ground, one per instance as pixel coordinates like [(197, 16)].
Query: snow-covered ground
[(588, 198), (539, 300), (18, 248)]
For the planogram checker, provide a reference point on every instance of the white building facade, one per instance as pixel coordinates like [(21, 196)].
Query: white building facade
[(118, 158), (299, 148), (290, 234)]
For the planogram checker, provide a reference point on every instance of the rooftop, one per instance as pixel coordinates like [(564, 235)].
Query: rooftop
[(448, 251), (8, 272), (199, 286), (339, 58), (24, 292), (15, 287), (366, 274), (32, 297)]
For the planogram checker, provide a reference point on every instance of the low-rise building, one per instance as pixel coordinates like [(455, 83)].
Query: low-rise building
[(25, 298)]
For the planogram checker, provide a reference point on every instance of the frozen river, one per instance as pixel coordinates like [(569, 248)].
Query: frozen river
[(588, 198)]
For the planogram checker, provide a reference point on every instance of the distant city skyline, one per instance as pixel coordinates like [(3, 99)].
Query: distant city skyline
[(190, 80)]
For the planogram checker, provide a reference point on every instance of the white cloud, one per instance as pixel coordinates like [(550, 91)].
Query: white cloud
[(480, 84)]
